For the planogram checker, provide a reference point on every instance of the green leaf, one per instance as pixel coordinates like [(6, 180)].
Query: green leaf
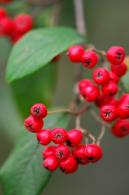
[(23, 173), (42, 90), (38, 48)]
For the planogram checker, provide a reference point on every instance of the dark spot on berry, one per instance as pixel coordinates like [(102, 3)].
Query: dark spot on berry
[(60, 154), (68, 143), (99, 75), (90, 158), (37, 110)]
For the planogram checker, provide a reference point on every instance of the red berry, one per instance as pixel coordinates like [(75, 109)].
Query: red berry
[(38, 111), (123, 110), (90, 93), (50, 163), (33, 125), (3, 13), (93, 152), (75, 53), (124, 97), (44, 137), (116, 55), (120, 69), (108, 112), (59, 135), (69, 165), (62, 152), (15, 37), (74, 137), (121, 128), (79, 155), (89, 59), (113, 77), (6, 26), (110, 89), (49, 151), (23, 23), (84, 83), (101, 76)]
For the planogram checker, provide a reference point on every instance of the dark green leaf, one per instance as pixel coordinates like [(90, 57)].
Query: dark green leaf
[(42, 91), (38, 48), (23, 173)]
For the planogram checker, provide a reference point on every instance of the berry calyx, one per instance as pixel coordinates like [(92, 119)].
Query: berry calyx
[(75, 53), (59, 135), (121, 128), (116, 55), (50, 163), (44, 137), (33, 125), (101, 76), (89, 59), (69, 165), (74, 137), (62, 152), (38, 111), (93, 153), (108, 112)]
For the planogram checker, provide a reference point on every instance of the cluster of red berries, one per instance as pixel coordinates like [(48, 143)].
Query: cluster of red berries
[(103, 87), (67, 150), (14, 28)]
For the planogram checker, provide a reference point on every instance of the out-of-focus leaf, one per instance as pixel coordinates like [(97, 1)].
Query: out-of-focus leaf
[(23, 173), (38, 48), (38, 87)]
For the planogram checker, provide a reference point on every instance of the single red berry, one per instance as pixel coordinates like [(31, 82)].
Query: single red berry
[(113, 77), (79, 155), (110, 89), (116, 55), (74, 137), (124, 97), (121, 128), (62, 152), (6, 26), (69, 165), (90, 93), (75, 53), (3, 13), (50, 163), (120, 69), (123, 110), (93, 152), (89, 59), (84, 84), (33, 125), (38, 111), (44, 136), (59, 135), (23, 23), (108, 112), (101, 76), (49, 151)]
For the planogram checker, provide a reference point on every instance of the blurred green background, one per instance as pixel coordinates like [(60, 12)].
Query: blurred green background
[(107, 24)]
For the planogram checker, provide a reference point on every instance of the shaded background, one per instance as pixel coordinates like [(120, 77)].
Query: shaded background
[(108, 24)]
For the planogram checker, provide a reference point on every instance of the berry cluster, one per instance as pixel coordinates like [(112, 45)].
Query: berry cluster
[(104, 85), (67, 150), (14, 28)]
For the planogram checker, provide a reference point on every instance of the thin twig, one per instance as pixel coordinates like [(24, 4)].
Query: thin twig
[(79, 16), (101, 134), (98, 119), (78, 122)]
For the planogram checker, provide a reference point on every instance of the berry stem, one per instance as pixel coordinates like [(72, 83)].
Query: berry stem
[(102, 132)]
